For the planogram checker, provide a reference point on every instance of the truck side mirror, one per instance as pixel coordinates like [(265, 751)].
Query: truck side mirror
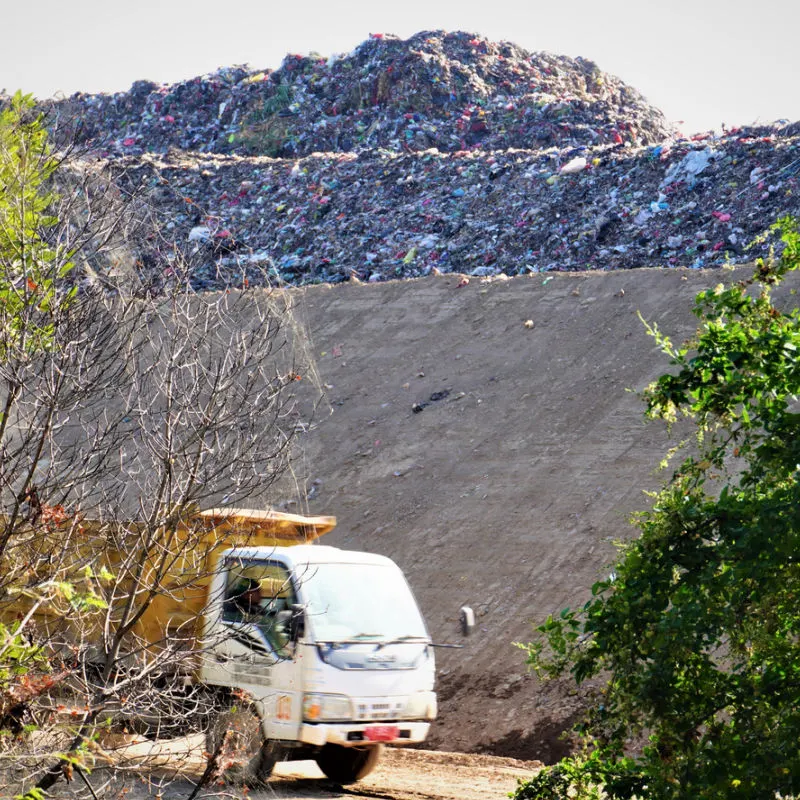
[(466, 618)]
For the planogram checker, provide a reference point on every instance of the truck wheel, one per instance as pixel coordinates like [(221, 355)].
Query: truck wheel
[(245, 757), (348, 764)]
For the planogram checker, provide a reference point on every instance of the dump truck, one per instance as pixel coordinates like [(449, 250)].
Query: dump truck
[(308, 651)]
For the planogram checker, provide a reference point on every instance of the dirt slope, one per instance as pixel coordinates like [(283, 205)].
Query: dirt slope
[(507, 492)]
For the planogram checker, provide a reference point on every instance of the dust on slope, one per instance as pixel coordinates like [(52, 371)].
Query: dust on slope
[(508, 491)]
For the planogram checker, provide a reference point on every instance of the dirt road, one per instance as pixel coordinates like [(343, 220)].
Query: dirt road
[(401, 775), (410, 775)]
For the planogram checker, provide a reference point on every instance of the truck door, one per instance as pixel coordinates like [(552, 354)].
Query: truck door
[(254, 651)]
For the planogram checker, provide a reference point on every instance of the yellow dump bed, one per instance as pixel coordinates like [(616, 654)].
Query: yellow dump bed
[(174, 612), (270, 527), (168, 571)]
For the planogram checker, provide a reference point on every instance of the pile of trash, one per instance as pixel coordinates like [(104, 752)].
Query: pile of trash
[(382, 215), (441, 153), (451, 91)]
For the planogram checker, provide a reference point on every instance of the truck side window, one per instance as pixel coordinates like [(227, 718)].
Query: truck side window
[(256, 592)]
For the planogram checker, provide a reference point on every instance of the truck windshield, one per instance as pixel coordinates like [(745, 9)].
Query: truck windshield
[(359, 603)]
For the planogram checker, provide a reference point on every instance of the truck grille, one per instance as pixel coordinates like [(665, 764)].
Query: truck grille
[(380, 711)]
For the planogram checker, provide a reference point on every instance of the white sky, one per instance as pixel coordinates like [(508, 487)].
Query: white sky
[(704, 62)]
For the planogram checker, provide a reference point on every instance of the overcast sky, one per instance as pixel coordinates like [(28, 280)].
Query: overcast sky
[(703, 62)]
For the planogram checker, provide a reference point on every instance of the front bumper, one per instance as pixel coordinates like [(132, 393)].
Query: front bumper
[(355, 734)]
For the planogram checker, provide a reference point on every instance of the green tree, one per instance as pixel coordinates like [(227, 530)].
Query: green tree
[(698, 627), (31, 264)]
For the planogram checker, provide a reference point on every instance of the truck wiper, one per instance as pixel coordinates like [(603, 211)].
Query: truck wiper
[(420, 639), (402, 639), (363, 638), (359, 638)]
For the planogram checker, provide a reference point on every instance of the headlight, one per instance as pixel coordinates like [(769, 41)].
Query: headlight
[(421, 705), (327, 708)]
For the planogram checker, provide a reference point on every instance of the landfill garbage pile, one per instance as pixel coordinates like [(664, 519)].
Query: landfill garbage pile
[(451, 91), (440, 153), (381, 215)]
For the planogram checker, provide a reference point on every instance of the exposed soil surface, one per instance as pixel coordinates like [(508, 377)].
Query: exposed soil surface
[(400, 775), (411, 775), (508, 486)]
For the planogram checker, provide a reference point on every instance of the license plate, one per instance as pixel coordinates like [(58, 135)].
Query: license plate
[(382, 733)]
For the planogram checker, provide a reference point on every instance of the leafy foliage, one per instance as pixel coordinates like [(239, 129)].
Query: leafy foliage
[(28, 296), (698, 627)]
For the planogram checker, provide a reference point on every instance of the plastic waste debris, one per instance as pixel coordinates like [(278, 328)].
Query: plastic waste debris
[(693, 164), (444, 153), (573, 166), (200, 233)]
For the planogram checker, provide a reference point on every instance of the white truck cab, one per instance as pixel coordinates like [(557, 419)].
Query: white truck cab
[(329, 649)]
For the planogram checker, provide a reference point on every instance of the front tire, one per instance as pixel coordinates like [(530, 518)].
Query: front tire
[(244, 757), (348, 764)]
